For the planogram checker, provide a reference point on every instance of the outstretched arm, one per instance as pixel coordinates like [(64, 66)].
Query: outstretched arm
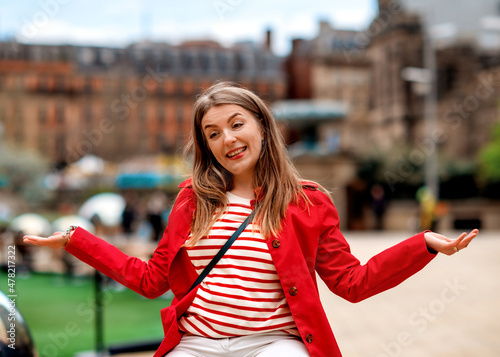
[(347, 277), (149, 279), (449, 246)]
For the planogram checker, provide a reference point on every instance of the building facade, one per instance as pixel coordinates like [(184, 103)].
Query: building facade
[(68, 101)]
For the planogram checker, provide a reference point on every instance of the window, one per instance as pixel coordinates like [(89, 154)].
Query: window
[(205, 61), (222, 61), (60, 144), (187, 61), (87, 85), (87, 112), (60, 114), (60, 83), (42, 115), (42, 83), (161, 114)]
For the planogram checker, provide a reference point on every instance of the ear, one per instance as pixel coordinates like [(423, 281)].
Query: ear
[(262, 128)]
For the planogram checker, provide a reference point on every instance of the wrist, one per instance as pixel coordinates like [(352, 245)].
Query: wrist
[(69, 233)]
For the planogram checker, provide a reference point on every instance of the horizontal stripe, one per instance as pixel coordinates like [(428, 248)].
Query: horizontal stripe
[(229, 325), (239, 327), (240, 317), (244, 268), (244, 278), (242, 295), (239, 287), (242, 307), (236, 257), (211, 327), (218, 247), (196, 328)]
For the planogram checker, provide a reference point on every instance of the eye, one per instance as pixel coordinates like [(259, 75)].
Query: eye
[(212, 135), (237, 125)]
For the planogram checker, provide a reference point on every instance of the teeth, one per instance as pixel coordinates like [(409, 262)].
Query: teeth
[(239, 151)]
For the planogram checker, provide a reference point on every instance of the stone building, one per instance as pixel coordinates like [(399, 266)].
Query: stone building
[(329, 68), (385, 117), (68, 101), (466, 97), (327, 113), (406, 35)]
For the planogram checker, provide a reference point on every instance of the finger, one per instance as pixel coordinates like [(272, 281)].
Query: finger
[(34, 240), (465, 242), (32, 236)]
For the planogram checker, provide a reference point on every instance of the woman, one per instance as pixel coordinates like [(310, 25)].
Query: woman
[(261, 299)]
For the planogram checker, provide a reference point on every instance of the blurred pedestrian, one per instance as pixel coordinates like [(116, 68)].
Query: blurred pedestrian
[(379, 205), (427, 209), (129, 215), (261, 298), (156, 206)]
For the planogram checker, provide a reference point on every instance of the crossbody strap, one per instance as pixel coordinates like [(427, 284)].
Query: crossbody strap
[(222, 251)]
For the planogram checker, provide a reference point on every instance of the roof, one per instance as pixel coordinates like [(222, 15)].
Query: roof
[(308, 110)]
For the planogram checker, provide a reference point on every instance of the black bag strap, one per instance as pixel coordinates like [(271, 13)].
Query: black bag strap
[(222, 251)]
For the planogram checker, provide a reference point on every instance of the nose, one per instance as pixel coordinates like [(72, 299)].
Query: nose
[(229, 138)]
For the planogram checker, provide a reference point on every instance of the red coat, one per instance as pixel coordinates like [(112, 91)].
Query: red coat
[(309, 242)]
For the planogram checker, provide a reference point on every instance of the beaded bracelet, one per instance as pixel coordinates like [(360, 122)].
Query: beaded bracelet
[(68, 231)]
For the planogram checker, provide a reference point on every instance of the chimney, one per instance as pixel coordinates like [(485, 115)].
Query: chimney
[(268, 40)]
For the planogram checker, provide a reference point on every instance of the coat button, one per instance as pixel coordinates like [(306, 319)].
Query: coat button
[(293, 291), (276, 243), (309, 338)]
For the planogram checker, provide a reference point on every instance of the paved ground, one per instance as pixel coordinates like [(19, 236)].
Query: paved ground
[(449, 309)]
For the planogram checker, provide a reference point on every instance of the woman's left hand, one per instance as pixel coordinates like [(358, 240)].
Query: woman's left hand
[(448, 246)]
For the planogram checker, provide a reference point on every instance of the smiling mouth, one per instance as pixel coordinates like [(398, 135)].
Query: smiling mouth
[(236, 152)]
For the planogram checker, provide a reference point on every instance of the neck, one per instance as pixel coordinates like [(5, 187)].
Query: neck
[(243, 188)]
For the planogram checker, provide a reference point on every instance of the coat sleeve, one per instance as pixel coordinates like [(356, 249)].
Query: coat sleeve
[(149, 279), (343, 273)]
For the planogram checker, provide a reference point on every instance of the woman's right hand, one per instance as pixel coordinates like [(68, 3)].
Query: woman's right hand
[(55, 241)]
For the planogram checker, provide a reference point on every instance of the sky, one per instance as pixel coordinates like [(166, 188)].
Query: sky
[(119, 23)]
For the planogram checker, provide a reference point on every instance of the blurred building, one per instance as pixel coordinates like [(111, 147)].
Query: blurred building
[(474, 24), (329, 68), (384, 116), (465, 67), (327, 113), (69, 101)]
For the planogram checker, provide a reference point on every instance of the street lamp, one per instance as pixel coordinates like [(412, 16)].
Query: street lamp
[(437, 35)]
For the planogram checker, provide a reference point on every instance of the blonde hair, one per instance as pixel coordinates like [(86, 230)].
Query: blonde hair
[(276, 177)]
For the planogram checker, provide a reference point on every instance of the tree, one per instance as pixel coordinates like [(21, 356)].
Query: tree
[(489, 157), (23, 173)]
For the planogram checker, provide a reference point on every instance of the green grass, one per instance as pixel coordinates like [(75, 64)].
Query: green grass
[(61, 318)]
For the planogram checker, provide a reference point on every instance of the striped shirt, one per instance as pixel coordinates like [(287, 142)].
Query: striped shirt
[(242, 295)]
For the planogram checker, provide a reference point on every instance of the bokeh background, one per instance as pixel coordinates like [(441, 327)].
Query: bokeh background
[(391, 105)]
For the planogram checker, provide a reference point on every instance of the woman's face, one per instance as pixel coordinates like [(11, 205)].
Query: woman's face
[(234, 137)]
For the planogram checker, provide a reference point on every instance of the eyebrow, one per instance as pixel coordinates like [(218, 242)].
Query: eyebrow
[(231, 117)]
